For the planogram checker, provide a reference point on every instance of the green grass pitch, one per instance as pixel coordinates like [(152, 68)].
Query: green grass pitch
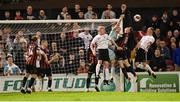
[(90, 96)]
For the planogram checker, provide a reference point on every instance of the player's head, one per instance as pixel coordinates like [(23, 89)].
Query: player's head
[(118, 29), (34, 38), (150, 31), (44, 43), (128, 30), (101, 30), (38, 34)]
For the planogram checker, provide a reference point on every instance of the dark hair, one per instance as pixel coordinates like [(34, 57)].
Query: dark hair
[(155, 16), (9, 56), (18, 11), (89, 5)]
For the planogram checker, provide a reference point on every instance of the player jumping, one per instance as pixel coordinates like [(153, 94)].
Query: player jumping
[(100, 42), (141, 54), (121, 55)]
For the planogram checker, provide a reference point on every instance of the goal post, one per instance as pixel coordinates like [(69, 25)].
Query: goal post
[(16, 34)]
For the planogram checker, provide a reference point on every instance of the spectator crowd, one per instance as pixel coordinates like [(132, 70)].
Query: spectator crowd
[(164, 54)]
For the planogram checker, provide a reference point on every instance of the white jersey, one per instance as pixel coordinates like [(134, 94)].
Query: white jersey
[(101, 41), (87, 38), (145, 40)]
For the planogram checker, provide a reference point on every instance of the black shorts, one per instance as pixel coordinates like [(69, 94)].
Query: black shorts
[(92, 68), (103, 54), (121, 55), (46, 72), (31, 69), (40, 72), (140, 55)]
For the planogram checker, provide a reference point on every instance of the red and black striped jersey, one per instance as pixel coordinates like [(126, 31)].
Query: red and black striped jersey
[(43, 62), (122, 40), (31, 53)]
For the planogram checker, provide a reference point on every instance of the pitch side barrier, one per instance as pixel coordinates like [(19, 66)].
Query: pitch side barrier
[(165, 82)]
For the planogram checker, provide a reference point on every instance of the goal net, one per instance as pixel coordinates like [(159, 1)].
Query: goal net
[(64, 37)]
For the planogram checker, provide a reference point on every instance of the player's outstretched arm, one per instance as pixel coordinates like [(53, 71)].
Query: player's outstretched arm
[(120, 19), (117, 24)]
